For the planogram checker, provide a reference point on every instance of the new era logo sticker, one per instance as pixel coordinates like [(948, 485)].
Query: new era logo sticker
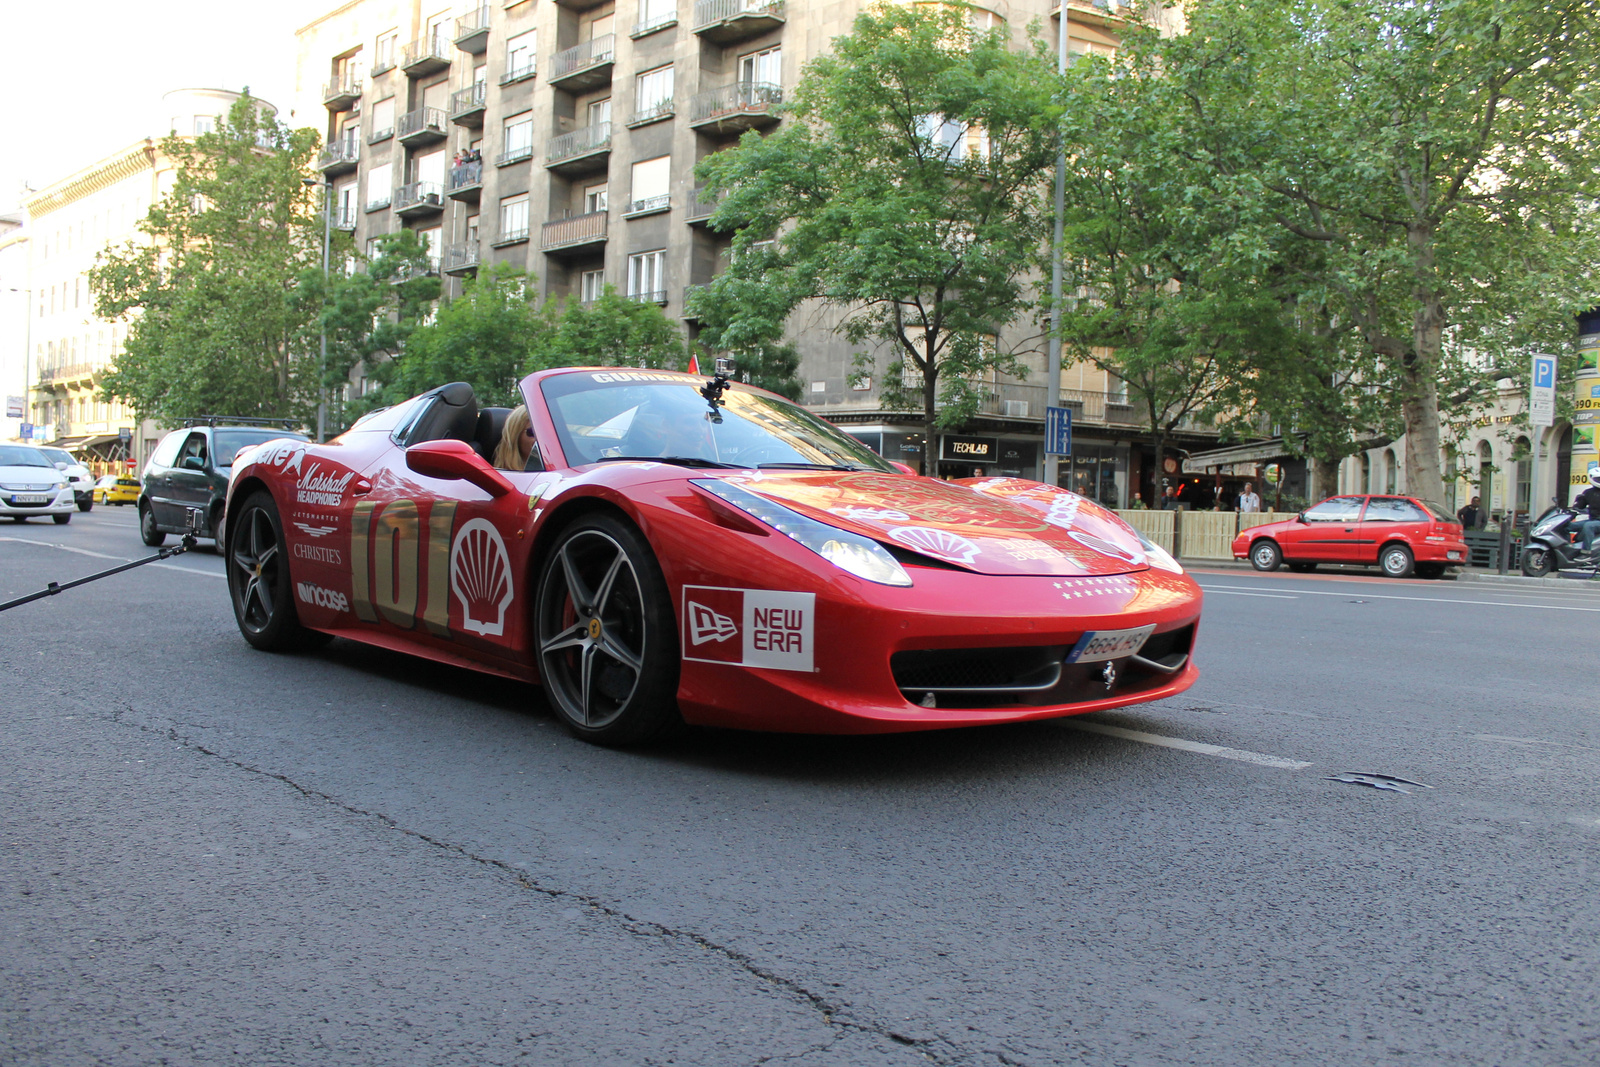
[(706, 625), (749, 627)]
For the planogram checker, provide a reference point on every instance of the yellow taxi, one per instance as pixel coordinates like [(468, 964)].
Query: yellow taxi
[(114, 490)]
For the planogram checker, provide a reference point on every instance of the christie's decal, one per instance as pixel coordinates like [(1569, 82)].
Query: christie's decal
[(322, 598), (749, 627), (318, 554), (480, 577)]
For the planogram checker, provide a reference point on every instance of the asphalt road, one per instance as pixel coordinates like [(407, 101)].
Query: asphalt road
[(211, 855)]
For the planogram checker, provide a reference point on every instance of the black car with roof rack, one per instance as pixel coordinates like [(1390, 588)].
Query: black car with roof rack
[(189, 471)]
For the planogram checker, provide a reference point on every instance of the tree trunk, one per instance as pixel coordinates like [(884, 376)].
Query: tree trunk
[(930, 443), (1324, 479), (1419, 399)]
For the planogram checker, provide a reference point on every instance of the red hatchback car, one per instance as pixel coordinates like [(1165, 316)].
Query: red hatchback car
[(1400, 534)]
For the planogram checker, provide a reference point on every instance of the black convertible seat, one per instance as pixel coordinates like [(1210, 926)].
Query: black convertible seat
[(452, 416), (491, 425)]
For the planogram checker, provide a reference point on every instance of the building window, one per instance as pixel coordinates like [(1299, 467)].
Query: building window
[(519, 56), (655, 14), (760, 68), (647, 276), (652, 94), (592, 284), (518, 137), (651, 180), (383, 119), (434, 245), (600, 112), (384, 50), (344, 205), (594, 199), (204, 124), (514, 218), (380, 186)]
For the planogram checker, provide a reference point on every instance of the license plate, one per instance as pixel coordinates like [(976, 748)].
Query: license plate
[(1452, 555), (29, 498), (1098, 645)]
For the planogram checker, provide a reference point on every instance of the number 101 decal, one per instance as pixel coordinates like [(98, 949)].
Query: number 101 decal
[(398, 563)]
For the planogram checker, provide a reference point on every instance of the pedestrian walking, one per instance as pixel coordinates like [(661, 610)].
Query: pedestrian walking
[(1471, 515), (1248, 501)]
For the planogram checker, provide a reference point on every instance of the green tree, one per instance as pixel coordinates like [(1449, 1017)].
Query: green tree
[(611, 332), (219, 325), (1438, 155), (488, 336), (903, 191)]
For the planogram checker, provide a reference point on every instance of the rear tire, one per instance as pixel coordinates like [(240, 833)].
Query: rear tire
[(1302, 568), (258, 580), (1430, 570), (85, 505), (62, 520), (1537, 562), (1265, 555), (147, 528), (1396, 561)]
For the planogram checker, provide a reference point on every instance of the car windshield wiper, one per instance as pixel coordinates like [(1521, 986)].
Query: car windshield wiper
[(811, 467), (681, 461)]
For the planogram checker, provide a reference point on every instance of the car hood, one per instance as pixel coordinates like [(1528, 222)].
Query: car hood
[(31, 475), (991, 526)]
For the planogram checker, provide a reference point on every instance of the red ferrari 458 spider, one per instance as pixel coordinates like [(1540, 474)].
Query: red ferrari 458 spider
[(682, 550)]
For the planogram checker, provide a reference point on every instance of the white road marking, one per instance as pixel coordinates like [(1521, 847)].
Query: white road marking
[(1186, 745), (1433, 599), (1237, 592), (117, 559)]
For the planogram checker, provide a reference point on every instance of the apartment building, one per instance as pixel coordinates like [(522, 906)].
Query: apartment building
[(561, 136), (70, 222)]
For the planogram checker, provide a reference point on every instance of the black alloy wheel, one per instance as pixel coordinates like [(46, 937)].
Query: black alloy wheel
[(608, 648), (259, 582), (1265, 555), (1396, 561), (147, 527)]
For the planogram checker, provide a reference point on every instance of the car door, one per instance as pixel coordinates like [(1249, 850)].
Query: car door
[(1388, 518), (189, 481), (158, 478), (1327, 533)]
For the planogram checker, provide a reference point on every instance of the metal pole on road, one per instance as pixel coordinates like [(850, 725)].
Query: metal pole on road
[(1052, 372)]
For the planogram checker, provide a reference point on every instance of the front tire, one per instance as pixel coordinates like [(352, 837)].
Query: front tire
[(147, 528), (608, 642), (259, 583), (1302, 568), (1265, 555), (1396, 561), (62, 520), (1537, 561)]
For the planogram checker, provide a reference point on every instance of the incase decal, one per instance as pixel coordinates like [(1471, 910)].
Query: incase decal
[(322, 598), (749, 627)]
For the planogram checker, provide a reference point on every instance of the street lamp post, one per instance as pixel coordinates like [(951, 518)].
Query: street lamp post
[(27, 346), (322, 325), (1052, 372)]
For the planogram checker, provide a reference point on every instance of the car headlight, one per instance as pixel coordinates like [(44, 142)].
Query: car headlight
[(860, 556), (1158, 556)]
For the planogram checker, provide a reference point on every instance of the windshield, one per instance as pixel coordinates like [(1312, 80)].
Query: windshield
[(227, 443), (598, 418), (58, 455), (23, 456), (1440, 513)]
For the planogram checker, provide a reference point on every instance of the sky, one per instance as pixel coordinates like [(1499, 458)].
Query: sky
[(80, 81)]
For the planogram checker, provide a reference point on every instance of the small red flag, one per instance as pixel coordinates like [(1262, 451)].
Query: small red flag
[(694, 363)]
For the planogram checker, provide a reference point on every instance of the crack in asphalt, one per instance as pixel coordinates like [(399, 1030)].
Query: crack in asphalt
[(939, 1050)]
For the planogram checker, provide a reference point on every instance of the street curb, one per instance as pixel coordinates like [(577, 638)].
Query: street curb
[(1522, 579)]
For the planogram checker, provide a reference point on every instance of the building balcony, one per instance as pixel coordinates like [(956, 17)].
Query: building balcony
[(418, 200), (1111, 13), (575, 235), (472, 31), (423, 126), (584, 67), (580, 151), (461, 259), (648, 26), (466, 106), (725, 21), (735, 108), (524, 70), (514, 155), (654, 296), (465, 182), (382, 63), (340, 93), (512, 234), (427, 56), (344, 220), (657, 112), (701, 205), (651, 205), (382, 133), (339, 157), (57, 373), (579, 5)]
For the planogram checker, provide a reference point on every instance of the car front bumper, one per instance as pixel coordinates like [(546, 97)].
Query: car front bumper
[(60, 502)]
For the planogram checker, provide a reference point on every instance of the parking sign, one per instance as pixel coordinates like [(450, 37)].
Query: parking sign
[(1542, 392)]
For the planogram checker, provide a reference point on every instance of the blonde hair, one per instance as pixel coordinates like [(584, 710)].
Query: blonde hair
[(507, 456)]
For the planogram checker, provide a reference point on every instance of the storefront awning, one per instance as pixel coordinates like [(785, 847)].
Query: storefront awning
[(88, 441), (1254, 452)]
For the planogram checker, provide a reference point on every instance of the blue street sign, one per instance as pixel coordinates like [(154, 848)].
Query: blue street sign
[(1057, 431), (1544, 372), (27, 431)]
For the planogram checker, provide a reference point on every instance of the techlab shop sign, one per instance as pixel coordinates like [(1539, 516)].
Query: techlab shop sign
[(749, 627)]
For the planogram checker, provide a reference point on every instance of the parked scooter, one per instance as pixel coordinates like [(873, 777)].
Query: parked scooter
[(1552, 546)]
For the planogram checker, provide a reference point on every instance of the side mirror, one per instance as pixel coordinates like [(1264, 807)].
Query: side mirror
[(193, 463), (455, 460), (1300, 517)]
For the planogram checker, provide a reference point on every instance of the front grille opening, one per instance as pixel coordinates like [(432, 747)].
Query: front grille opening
[(984, 670)]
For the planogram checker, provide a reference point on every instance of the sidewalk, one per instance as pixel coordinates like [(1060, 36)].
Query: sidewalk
[(1463, 574)]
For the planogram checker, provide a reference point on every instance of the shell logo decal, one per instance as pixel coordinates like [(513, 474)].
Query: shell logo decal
[(480, 577), (940, 543)]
